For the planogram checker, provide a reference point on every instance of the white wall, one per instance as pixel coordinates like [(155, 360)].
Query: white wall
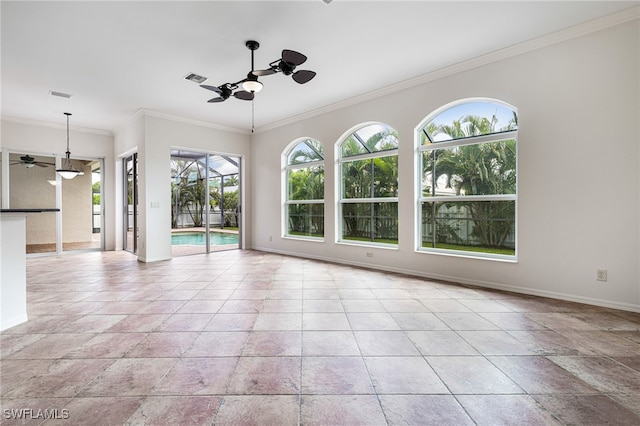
[(50, 139), (154, 137), (579, 185)]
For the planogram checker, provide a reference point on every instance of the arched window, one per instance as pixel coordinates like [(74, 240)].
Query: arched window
[(368, 198), (468, 179), (304, 199)]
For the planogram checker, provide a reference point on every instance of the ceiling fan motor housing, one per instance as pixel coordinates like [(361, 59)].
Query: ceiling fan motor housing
[(286, 67), (252, 45), (225, 92)]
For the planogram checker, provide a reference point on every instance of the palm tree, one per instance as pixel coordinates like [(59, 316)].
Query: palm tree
[(230, 208), (188, 190), (231, 180), (370, 178), (479, 169), (306, 184)]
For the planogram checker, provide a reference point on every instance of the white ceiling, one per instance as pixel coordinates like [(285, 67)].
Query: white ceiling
[(116, 58)]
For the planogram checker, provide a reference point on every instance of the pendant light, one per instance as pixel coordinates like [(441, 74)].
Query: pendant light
[(67, 171)]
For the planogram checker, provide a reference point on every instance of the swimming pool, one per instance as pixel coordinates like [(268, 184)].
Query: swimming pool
[(198, 238)]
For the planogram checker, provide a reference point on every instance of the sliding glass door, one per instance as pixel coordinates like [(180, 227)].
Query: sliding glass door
[(205, 206), (130, 219), (189, 201), (82, 208)]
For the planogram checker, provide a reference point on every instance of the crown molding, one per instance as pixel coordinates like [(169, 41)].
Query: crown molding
[(142, 112), (546, 40), (30, 122)]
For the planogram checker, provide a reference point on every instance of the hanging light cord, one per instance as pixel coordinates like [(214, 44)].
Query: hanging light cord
[(68, 134), (68, 159), (252, 116)]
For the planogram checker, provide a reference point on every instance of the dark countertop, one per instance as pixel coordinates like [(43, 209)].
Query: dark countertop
[(28, 210)]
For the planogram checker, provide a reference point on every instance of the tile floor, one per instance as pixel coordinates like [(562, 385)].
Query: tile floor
[(244, 337)]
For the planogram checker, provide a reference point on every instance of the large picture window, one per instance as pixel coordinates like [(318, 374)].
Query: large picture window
[(368, 198), (468, 180), (304, 200)]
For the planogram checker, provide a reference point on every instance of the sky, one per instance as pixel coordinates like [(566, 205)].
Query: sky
[(483, 109)]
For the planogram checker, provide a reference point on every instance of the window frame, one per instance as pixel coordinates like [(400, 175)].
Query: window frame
[(286, 169), (421, 198), (339, 186)]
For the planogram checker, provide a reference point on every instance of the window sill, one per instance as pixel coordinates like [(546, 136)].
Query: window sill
[(303, 238), (470, 255), (369, 245)]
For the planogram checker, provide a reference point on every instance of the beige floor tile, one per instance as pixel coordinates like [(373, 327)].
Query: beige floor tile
[(245, 337)]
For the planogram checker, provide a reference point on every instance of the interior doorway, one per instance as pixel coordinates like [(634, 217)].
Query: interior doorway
[(205, 202), (34, 183), (82, 208)]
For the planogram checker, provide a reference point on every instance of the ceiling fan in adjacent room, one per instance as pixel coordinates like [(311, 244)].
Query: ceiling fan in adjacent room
[(28, 161), (250, 85)]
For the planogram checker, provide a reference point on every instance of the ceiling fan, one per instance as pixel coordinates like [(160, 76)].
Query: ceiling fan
[(28, 161), (250, 85)]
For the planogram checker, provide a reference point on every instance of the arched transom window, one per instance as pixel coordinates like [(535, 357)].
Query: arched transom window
[(368, 197), (304, 183), (468, 179)]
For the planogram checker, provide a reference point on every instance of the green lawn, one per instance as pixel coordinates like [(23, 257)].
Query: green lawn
[(477, 249), (376, 240), (305, 234)]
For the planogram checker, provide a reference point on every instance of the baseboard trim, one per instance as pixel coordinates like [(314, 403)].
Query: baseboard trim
[(457, 280)]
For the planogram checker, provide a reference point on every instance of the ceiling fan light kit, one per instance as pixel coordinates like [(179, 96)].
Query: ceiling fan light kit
[(253, 86), (250, 85)]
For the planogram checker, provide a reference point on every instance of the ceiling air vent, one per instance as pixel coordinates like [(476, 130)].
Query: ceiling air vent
[(60, 94), (195, 78)]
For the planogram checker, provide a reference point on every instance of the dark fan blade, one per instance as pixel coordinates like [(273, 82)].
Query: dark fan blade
[(293, 57), (244, 95), (213, 88), (42, 164), (303, 76), (215, 100), (260, 73)]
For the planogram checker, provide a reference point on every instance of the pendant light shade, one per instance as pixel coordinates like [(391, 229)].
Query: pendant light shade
[(66, 170)]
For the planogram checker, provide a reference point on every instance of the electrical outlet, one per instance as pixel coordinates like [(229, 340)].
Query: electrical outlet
[(601, 275), (369, 254), (270, 238)]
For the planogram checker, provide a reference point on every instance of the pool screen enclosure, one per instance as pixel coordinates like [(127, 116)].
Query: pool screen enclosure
[(205, 197)]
